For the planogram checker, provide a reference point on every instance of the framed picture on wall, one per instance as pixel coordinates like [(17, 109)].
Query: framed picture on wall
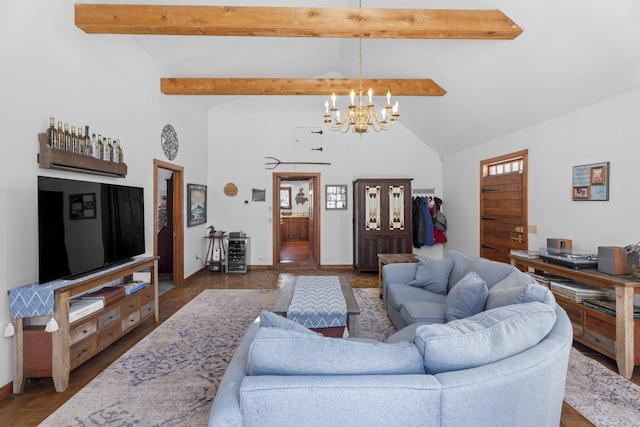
[(196, 204), (591, 182), (336, 197)]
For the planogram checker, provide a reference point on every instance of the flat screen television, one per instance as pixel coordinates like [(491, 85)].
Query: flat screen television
[(87, 226)]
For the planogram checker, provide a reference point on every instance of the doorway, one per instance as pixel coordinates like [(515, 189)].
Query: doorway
[(168, 222), (503, 205), (296, 223)]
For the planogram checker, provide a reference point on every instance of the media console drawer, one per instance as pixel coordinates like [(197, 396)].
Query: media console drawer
[(82, 331)]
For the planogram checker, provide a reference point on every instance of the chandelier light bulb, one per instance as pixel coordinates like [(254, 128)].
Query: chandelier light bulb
[(333, 99), (353, 96), (388, 97), (370, 95), (395, 108)]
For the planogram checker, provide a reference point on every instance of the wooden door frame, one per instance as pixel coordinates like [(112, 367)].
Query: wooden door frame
[(178, 217), (484, 171), (278, 177)]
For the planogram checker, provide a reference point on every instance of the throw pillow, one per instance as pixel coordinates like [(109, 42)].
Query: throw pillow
[(467, 297), (461, 263), (277, 351), (518, 288), (432, 275), (485, 338)]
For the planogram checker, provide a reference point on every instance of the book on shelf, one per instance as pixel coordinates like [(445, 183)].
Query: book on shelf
[(134, 286), (79, 308), (525, 254), (545, 278), (577, 291), (608, 306), (107, 294)]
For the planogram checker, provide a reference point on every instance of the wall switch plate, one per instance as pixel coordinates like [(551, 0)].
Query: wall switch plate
[(533, 229)]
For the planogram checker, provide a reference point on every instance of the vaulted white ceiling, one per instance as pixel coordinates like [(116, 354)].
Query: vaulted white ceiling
[(572, 53)]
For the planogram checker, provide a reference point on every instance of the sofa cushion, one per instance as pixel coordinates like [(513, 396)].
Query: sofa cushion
[(427, 312), (398, 294), (432, 275), (467, 297), (484, 338), (491, 271), (276, 351), (461, 263), (518, 288), (272, 320)]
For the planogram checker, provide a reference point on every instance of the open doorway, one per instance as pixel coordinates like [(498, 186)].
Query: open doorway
[(296, 223), (168, 242)]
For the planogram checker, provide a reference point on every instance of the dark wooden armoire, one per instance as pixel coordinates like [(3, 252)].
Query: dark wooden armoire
[(381, 220)]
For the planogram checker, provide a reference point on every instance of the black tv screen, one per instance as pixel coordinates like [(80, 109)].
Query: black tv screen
[(87, 226)]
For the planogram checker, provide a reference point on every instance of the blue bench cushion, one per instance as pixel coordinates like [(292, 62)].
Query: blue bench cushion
[(276, 351), (518, 288), (467, 297), (484, 338), (432, 275)]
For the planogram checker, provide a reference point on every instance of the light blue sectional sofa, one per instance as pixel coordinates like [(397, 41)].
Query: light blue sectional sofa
[(503, 365)]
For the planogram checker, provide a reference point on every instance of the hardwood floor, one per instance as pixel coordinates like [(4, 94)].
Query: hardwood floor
[(40, 399)]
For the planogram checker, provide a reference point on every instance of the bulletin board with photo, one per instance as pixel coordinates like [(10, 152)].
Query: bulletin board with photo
[(591, 182)]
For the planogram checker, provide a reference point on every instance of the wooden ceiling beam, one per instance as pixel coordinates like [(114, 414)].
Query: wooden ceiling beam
[(294, 22), (313, 86)]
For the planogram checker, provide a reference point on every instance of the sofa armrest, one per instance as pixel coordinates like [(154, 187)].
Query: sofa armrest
[(331, 400)]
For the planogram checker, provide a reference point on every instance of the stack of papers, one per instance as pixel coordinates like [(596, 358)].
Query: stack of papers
[(577, 291)]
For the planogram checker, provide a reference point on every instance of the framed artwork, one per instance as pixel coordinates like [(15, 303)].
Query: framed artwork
[(591, 182), (82, 206), (285, 197), (336, 197), (196, 204)]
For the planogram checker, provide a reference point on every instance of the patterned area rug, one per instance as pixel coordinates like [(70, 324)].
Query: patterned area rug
[(171, 376)]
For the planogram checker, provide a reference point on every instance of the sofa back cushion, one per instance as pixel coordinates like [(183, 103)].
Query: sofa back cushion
[(518, 288), (276, 351), (461, 263), (466, 298), (432, 275), (484, 338)]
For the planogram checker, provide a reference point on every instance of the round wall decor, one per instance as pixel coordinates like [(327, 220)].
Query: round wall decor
[(230, 189), (169, 142)]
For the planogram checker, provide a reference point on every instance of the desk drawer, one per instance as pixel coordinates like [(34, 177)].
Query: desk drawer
[(601, 326), (131, 320), (109, 318), (600, 341), (147, 309), (82, 331), (83, 351)]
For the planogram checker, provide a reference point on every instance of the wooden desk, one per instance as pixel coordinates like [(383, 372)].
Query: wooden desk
[(391, 259), (588, 322)]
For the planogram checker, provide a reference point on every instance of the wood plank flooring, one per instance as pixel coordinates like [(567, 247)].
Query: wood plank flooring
[(40, 399)]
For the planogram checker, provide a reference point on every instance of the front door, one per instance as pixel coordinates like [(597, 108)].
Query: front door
[(503, 205)]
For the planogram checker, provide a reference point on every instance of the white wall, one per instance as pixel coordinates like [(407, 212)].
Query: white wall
[(52, 68), (605, 132), (243, 132)]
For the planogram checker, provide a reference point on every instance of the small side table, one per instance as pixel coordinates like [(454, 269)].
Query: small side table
[(215, 242), (391, 259)]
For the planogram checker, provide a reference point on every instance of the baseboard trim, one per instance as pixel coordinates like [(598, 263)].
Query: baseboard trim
[(6, 390)]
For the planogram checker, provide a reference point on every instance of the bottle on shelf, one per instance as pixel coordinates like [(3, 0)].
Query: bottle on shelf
[(100, 148), (60, 140), (108, 150), (67, 138), (120, 155), (116, 154), (95, 148), (87, 142), (80, 141), (52, 134), (74, 140)]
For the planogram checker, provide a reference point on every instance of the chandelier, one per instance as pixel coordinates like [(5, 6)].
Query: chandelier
[(360, 118)]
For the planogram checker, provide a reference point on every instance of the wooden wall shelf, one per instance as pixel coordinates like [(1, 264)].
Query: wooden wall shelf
[(53, 158)]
